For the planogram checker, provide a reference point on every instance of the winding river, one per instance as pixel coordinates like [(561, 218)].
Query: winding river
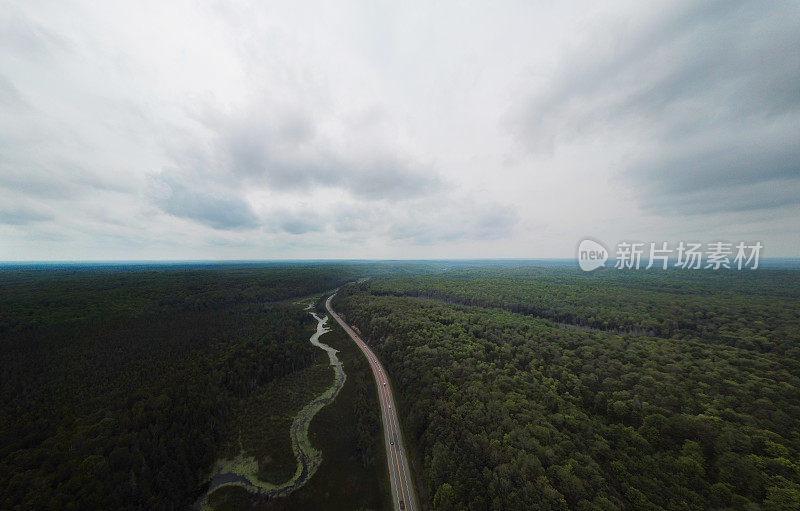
[(242, 470)]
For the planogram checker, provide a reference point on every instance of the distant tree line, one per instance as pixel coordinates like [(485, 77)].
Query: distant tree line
[(727, 307)]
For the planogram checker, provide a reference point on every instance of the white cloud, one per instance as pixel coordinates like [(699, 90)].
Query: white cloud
[(258, 130)]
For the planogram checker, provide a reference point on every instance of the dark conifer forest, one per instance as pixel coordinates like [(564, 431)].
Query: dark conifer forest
[(117, 385), (519, 387)]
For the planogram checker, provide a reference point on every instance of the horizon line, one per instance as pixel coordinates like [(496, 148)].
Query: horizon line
[(284, 260)]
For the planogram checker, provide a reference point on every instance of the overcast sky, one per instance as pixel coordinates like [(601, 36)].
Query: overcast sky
[(235, 130)]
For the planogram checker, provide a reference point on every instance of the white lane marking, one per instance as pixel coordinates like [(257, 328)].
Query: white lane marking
[(402, 475)]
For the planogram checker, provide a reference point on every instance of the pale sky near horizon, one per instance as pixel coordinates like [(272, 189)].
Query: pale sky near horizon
[(264, 130)]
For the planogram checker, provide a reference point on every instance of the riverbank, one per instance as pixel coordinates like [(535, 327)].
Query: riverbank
[(353, 473), (243, 471)]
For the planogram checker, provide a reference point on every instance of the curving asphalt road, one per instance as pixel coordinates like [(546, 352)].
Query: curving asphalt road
[(399, 474)]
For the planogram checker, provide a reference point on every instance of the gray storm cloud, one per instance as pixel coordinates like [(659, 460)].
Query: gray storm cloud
[(215, 209), (22, 215), (712, 90), (194, 129), (288, 154)]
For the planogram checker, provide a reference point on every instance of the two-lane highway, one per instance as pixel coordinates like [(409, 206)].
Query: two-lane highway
[(399, 473)]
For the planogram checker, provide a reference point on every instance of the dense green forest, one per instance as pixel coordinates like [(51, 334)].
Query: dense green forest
[(756, 310), (531, 388), (119, 386), (353, 472), (519, 387)]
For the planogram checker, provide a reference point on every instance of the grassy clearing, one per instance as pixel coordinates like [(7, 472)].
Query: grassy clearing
[(259, 448), (353, 472), (263, 421)]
